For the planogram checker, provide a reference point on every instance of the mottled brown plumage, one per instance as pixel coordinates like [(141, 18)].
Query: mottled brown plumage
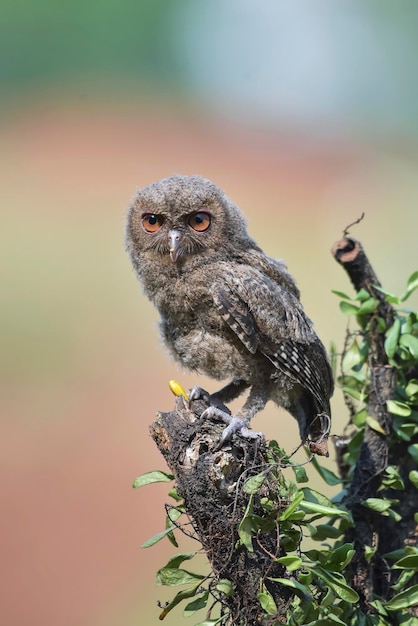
[(227, 310)]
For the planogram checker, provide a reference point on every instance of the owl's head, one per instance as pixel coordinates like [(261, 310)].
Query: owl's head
[(183, 219)]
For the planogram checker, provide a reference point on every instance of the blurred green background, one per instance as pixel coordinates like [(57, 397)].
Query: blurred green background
[(305, 113)]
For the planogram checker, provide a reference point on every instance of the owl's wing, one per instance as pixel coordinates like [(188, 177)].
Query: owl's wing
[(270, 319)]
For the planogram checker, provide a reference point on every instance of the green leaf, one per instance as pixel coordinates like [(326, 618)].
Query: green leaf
[(413, 451), (328, 599), (300, 590), (340, 294), (359, 419), (291, 539), (380, 610), (178, 559), (172, 539), (404, 430), (152, 477), (225, 586), (374, 425), (305, 577), (348, 309), (276, 449), (157, 537), (410, 342), (369, 553), (336, 581), (381, 325), (300, 474), (412, 284), (316, 502), (174, 513), (312, 507), (179, 597), (354, 445), (291, 563), (267, 603), (327, 621), (362, 295), (341, 557), (407, 562), (377, 504), (298, 516), (390, 297), (245, 527), (413, 477), (171, 577), (211, 622), (368, 306), (398, 408), (287, 513), (352, 357), (354, 393), (253, 484), (355, 378), (392, 338), (410, 323), (311, 495), (174, 494), (412, 388), (329, 477), (392, 478), (394, 515), (324, 531), (196, 605), (408, 597), (404, 579)]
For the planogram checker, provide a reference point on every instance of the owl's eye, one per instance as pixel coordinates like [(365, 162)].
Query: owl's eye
[(152, 222), (200, 221)]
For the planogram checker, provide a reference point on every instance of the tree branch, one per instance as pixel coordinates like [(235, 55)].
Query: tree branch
[(378, 450), (210, 482)]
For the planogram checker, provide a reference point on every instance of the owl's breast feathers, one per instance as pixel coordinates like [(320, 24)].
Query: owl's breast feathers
[(194, 331)]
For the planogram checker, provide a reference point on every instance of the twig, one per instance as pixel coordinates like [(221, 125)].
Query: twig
[(357, 221)]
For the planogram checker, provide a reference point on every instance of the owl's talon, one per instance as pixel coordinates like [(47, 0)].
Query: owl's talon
[(234, 425), (197, 393), (237, 425)]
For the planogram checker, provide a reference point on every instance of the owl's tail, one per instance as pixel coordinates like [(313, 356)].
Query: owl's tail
[(314, 421)]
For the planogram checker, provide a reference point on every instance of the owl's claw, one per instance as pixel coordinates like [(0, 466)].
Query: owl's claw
[(197, 393), (234, 424), (217, 409)]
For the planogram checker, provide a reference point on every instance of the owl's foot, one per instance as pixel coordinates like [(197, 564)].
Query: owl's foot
[(197, 393), (234, 424)]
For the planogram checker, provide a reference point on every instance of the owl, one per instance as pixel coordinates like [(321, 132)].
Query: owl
[(226, 309)]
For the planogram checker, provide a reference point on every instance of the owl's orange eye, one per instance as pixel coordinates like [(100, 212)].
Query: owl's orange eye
[(200, 221), (152, 222)]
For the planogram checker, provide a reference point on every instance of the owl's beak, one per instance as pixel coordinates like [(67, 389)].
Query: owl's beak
[(174, 238)]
